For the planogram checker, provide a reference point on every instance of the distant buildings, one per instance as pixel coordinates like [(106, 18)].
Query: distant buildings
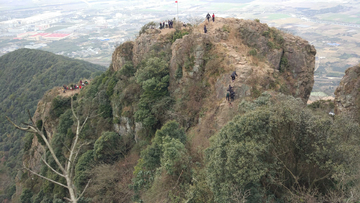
[(49, 36)]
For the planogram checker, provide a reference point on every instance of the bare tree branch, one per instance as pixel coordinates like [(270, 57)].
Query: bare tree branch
[(32, 121), (52, 168), (28, 129), (84, 189), (67, 169), (77, 153), (53, 181), (72, 109), (67, 199)]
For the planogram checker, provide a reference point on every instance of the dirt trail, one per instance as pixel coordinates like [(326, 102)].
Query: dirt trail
[(68, 93)]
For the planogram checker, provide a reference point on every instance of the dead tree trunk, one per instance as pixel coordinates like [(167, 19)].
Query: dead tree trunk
[(67, 168)]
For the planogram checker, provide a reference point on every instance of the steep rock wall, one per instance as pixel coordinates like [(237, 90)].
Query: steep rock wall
[(347, 94), (295, 54)]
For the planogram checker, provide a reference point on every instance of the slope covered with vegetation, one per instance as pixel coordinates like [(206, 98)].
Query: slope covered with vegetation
[(25, 75), (165, 133)]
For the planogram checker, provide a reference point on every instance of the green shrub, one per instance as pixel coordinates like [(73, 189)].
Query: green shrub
[(189, 63), (284, 64), (65, 122), (154, 80), (127, 69), (173, 153), (178, 73), (152, 155), (226, 28), (28, 141), (178, 34), (266, 33), (270, 44), (257, 20), (26, 196), (280, 139), (107, 147), (59, 105), (146, 26), (279, 39), (83, 165), (105, 110), (252, 52)]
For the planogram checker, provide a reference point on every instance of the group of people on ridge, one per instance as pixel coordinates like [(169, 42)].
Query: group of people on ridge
[(73, 87), (230, 96), (166, 24), (208, 16)]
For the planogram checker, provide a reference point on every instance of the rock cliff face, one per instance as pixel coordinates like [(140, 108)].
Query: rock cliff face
[(347, 95), (282, 51)]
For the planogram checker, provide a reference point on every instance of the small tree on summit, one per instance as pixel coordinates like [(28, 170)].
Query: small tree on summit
[(67, 168)]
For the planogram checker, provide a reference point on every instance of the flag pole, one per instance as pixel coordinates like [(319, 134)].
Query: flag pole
[(177, 13)]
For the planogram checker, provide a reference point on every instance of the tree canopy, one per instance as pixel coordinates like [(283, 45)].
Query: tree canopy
[(279, 146)]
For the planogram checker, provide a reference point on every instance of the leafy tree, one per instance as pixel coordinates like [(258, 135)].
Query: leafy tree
[(145, 27), (127, 70), (279, 146), (84, 164), (154, 79), (174, 151), (25, 196), (169, 139), (107, 147)]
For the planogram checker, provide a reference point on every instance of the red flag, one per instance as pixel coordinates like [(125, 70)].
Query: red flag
[(175, 1)]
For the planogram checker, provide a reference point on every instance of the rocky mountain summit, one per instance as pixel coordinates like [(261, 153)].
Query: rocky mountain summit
[(264, 59), (347, 95)]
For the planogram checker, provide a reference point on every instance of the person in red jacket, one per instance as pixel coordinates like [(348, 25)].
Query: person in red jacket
[(213, 17)]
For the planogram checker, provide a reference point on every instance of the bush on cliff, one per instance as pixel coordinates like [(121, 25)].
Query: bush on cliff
[(279, 147)]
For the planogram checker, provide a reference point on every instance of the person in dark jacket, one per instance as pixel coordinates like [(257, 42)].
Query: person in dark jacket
[(232, 95), (233, 76), (208, 17), (205, 30)]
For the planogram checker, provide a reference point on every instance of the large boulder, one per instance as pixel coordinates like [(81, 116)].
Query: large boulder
[(347, 95)]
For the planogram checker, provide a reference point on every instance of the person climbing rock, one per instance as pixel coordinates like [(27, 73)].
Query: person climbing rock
[(228, 99), (205, 30), (233, 76), (232, 95), (208, 17), (213, 17), (230, 89)]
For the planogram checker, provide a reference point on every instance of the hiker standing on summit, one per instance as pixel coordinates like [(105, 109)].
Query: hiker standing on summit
[(213, 17), (208, 17)]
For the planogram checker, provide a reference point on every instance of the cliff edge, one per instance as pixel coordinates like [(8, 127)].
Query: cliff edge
[(347, 95)]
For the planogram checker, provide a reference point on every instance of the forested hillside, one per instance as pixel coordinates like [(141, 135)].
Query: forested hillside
[(25, 75), (157, 126)]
